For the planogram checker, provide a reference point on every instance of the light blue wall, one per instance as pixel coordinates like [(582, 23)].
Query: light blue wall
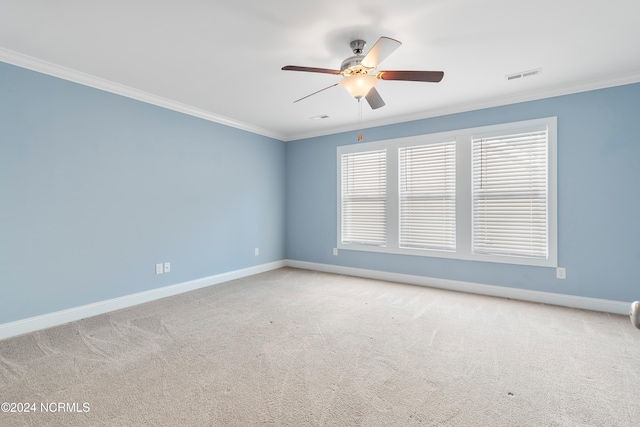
[(598, 197), (96, 188)]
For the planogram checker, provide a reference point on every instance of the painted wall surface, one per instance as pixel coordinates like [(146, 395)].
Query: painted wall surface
[(598, 197), (96, 188)]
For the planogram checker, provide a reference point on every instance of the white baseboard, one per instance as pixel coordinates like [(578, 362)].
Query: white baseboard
[(49, 320), (585, 303)]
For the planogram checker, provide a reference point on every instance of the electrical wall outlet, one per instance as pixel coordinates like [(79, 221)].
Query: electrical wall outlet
[(167, 267), (561, 273), (257, 251), (159, 269), (335, 251)]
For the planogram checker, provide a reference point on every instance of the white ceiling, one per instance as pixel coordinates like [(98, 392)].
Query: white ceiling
[(222, 59)]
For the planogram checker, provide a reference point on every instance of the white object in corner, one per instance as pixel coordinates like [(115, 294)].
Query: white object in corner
[(635, 314)]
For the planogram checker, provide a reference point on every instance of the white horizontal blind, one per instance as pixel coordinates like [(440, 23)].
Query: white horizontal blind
[(428, 196), (364, 198), (510, 195)]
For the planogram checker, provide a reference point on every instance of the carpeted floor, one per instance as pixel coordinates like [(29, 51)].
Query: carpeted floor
[(300, 348)]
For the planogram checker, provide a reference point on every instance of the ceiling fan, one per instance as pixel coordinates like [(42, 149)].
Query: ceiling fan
[(359, 71)]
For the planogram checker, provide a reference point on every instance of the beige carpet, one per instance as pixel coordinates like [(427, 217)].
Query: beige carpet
[(293, 347)]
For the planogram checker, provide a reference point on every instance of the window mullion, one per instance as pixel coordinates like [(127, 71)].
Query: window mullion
[(463, 196), (393, 201)]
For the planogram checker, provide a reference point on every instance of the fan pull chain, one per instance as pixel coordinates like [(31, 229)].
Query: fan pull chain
[(359, 119)]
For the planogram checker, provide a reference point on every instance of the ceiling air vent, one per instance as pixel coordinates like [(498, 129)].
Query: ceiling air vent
[(523, 74)]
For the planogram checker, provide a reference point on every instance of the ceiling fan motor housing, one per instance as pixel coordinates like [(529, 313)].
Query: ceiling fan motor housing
[(357, 46), (353, 63)]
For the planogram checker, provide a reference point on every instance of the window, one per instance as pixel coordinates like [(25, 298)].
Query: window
[(483, 194), (428, 196), (364, 183), (510, 195)]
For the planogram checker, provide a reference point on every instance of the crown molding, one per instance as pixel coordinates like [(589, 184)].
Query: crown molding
[(38, 65), (608, 82), (41, 66)]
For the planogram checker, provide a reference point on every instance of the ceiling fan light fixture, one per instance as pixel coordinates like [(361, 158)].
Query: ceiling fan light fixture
[(359, 85), (359, 76)]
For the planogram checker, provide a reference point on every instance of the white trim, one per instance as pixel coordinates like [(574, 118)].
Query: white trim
[(41, 66), (594, 304), (49, 320), (611, 81), (35, 64)]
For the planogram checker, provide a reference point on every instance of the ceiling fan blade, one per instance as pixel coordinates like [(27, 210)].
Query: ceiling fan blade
[(383, 48), (412, 76), (310, 69), (374, 99), (305, 97)]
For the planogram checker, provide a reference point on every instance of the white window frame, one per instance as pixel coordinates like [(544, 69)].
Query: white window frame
[(463, 139)]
